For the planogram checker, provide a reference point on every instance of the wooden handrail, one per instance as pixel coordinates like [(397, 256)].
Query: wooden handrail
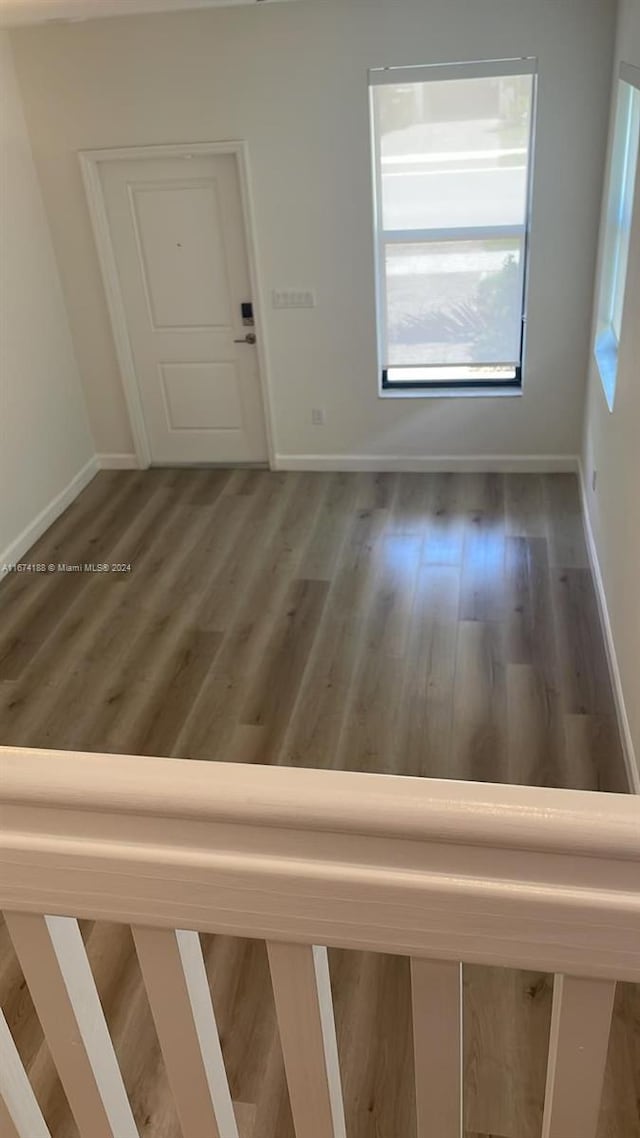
[(442, 872), (514, 817), (520, 877)]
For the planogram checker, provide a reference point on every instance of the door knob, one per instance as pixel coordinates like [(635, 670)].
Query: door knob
[(250, 338)]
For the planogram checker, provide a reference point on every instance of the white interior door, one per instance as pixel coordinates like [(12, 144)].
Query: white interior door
[(178, 235)]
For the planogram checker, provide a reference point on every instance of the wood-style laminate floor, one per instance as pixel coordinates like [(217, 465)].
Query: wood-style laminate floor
[(437, 625), (434, 625)]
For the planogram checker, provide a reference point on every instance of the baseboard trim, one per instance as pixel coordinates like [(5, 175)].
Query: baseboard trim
[(498, 463), (30, 534), (631, 762), (118, 462)]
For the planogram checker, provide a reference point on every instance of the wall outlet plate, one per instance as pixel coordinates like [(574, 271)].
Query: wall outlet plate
[(293, 298)]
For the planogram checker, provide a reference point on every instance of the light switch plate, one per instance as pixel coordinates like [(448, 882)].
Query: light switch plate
[(293, 298)]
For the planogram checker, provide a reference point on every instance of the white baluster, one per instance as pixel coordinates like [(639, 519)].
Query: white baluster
[(55, 966), (176, 981), (436, 993), (578, 1045), (302, 991)]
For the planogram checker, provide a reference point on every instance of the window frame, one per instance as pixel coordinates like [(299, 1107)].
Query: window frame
[(491, 384), (607, 335)]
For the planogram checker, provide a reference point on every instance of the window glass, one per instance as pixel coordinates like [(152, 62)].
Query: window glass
[(455, 153), (454, 302), (620, 198), (452, 154)]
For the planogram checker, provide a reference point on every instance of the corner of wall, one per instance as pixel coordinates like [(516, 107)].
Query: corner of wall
[(630, 757), (34, 529), (48, 452)]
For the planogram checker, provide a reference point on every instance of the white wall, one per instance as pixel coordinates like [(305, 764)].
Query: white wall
[(44, 435), (612, 447), (292, 80)]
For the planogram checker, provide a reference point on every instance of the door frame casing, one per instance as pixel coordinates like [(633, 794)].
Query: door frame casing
[(90, 164)]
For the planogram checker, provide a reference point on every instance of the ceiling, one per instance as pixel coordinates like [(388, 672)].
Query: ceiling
[(14, 13)]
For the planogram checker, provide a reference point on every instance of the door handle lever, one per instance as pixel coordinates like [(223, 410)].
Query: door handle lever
[(250, 338)]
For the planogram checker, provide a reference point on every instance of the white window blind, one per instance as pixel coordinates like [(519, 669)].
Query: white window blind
[(452, 164)]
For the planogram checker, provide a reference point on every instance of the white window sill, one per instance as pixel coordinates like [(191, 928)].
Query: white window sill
[(450, 393)]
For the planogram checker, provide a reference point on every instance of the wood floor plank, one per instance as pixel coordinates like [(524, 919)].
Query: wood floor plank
[(445, 525), (529, 613), (620, 1111), (257, 539), (112, 709), (593, 754), (246, 1119), (519, 615), (535, 737), (585, 683), (368, 737), (480, 704), (376, 491), (507, 1017), (372, 998), (208, 492), (563, 514), (525, 508), (321, 557), (313, 732), (425, 713), (273, 692), (212, 727), (410, 505), (164, 713), (483, 554), (316, 721)]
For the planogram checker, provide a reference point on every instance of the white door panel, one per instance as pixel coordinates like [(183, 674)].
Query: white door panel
[(178, 236), (179, 231), (206, 394)]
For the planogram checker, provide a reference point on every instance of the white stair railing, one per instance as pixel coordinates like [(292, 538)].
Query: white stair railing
[(441, 872)]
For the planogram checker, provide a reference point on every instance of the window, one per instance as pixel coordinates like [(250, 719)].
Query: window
[(613, 275), (452, 162)]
